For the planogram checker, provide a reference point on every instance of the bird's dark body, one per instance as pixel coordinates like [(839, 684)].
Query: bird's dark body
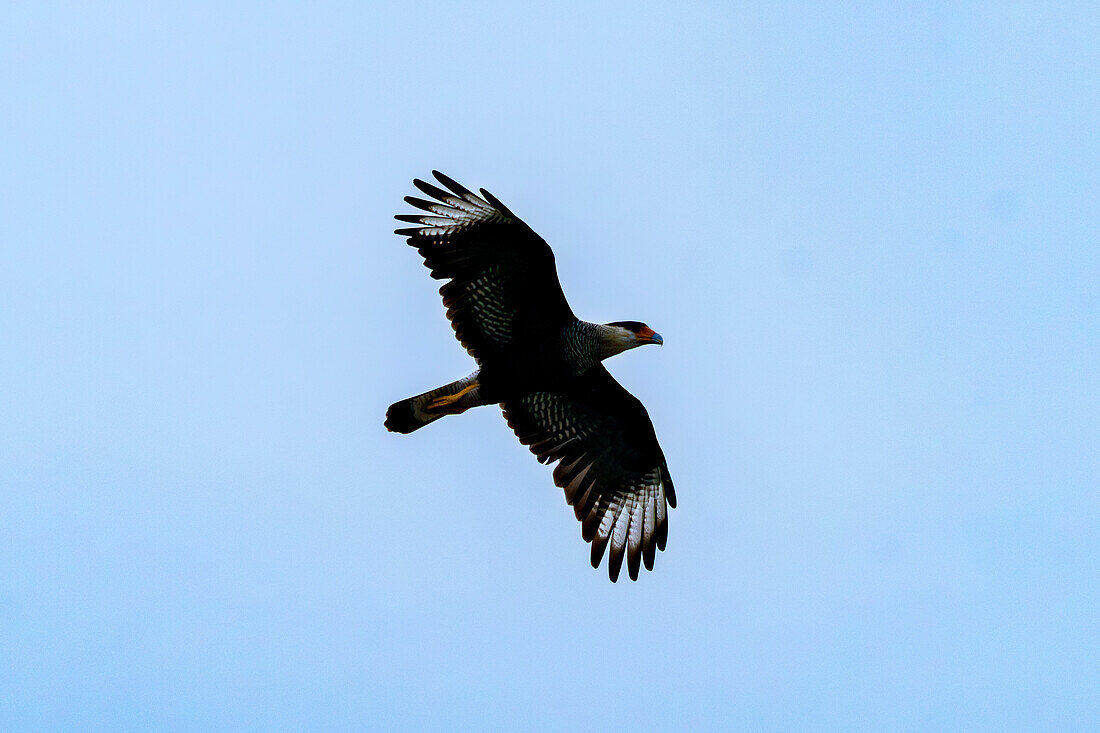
[(501, 383), (538, 365), (542, 365)]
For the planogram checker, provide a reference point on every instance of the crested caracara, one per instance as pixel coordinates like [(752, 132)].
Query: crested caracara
[(543, 366)]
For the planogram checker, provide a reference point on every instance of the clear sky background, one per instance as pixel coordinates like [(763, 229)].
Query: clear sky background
[(868, 234)]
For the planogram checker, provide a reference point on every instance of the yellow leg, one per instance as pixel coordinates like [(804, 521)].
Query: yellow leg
[(442, 402)]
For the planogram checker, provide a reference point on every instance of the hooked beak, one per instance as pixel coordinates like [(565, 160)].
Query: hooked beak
[(649, 336)]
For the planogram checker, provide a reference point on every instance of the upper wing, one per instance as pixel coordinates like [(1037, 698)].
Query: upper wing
[(612, 468), (503, 283)]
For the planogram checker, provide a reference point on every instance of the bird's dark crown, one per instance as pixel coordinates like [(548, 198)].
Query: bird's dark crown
[(632, 326)]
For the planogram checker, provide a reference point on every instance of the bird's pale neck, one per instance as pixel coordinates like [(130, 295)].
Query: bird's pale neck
[(587, 344)]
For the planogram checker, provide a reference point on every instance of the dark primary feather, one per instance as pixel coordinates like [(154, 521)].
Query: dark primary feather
[(503, 285), (611, 466)]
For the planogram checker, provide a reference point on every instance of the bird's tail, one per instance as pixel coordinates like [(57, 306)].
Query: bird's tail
[(450, 399)]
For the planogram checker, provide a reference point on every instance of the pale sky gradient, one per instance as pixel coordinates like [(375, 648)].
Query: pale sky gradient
[(868, 234)]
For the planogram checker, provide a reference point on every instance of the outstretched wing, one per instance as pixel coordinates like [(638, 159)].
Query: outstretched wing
[(503, 283), (611, 466)]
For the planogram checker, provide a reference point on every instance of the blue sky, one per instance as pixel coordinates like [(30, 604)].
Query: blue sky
[(867, 233)]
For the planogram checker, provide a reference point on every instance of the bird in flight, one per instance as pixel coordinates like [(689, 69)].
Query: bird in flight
[(543, 366)]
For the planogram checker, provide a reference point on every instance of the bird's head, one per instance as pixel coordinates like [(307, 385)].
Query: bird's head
[(622, 335)]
